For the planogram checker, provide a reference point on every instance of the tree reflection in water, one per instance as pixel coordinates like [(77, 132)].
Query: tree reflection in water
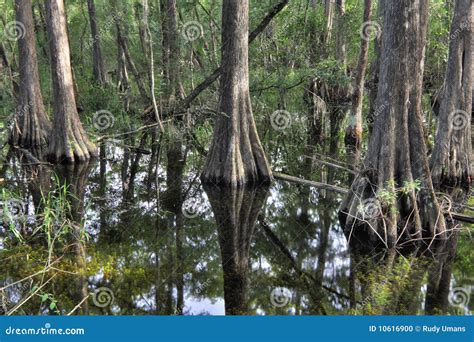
[(236, 212), (131, 236)]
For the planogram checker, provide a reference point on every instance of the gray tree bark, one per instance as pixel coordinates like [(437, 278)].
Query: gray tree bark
[(69, 142), (99, 71), (31, 126), (451, 157), (236, 156), (353, 137), (384, 205)]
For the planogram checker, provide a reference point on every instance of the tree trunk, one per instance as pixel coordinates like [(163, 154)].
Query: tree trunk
[(171, 53), (451, 158), (236, 156), (384, 204), (69, 143), (99, 71), (147, 42), (175, 154), (375, 66), (123, 83), (353, 137), (31, 126), (341, 53), (329, 13)]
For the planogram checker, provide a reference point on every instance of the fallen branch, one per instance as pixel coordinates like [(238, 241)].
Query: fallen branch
[(30, 157), (326, 163), (292, 179), (460, 217)]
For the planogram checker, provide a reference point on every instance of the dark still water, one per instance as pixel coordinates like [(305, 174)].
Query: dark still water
[(126, 238)]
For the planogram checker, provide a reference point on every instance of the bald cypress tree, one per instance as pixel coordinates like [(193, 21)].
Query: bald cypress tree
[(31, 125), (384, 203), (68, 143), (451, 157), (236, 156)]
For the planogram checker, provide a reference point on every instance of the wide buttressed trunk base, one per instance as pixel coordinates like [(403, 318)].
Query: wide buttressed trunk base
[(69, 143), (71, 146), (31, 127), (392, 201), (236, 157)]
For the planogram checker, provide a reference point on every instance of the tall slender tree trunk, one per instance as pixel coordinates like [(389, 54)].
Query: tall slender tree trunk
[(341, 93), (353, 137), (99, 71), (123, 83), (396, 155), (451, 158), (31, 126), (329, 13), (69, 143), (175, 154), (171, 53), (236, 156), (341, 51), (375, 66), (147, 42)]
